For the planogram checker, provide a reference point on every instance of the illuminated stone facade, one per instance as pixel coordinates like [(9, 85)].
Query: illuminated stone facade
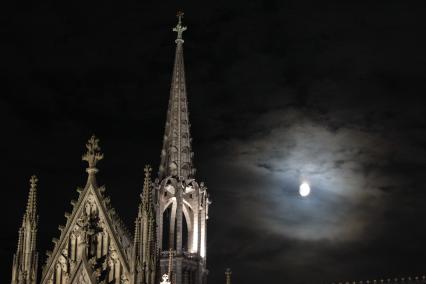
[(182, 201), (170, 235)]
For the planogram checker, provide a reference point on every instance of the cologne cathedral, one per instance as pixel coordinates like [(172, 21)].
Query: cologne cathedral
[(169, 240)]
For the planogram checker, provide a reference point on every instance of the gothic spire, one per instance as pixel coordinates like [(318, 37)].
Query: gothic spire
[(24, 269), (92, 156), (145, 253), (176, 154), (146, 193), (31, 211)]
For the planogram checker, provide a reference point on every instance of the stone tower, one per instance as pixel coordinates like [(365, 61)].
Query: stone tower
[(182, 202), (94, 245), (25, 260)]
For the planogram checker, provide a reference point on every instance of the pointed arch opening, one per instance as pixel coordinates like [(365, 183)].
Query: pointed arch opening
[(169, 228)]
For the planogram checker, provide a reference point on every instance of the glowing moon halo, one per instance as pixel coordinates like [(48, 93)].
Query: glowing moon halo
[(304, 189)]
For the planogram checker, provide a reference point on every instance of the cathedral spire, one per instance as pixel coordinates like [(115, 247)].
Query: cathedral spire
[(31, 211), (24, 268), (181, 202), (92, 156), (146, 193), (176, 154), (145, 251)]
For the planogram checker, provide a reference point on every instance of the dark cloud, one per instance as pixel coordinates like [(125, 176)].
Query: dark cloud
[(280, 92)]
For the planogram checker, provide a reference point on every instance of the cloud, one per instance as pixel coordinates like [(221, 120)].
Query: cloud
[(344, 167), (356, 173)]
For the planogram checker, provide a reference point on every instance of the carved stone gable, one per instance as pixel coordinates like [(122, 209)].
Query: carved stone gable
[(91, 239), (83, 274)]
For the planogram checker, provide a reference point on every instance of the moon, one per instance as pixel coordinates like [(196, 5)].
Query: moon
[(304, 189)]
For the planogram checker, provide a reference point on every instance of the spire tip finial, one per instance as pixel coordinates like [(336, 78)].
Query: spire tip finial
[(179, 27), (147, 170), (33, 181), (93, 154)]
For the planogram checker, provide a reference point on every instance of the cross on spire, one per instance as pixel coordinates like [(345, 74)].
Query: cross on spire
[(179, 28)]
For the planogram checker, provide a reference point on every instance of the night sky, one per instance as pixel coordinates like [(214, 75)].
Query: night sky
[(280, 92)]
